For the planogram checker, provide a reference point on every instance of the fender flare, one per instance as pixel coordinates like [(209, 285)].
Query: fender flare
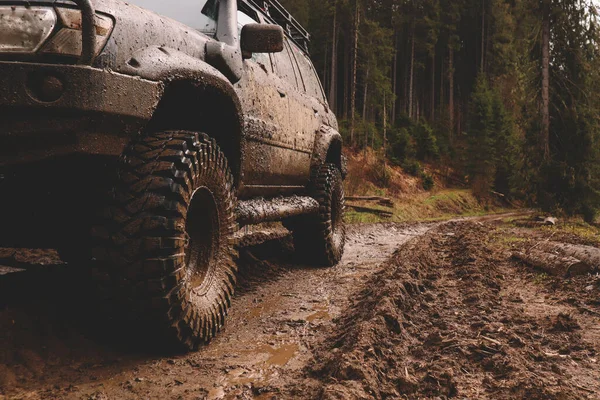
[(171, 67), (328, 149)]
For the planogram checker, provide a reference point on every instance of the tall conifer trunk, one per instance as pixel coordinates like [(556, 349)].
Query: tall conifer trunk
[(333, 75), (545, 133), (451, 91), (395, 78), (364, 113), (354, 63), (482, 65), (411, 77), (432, 100)]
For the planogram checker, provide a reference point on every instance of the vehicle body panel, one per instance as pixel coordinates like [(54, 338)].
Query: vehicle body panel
[(271, 130)]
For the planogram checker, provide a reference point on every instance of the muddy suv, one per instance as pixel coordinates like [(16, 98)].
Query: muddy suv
[(181, 130)]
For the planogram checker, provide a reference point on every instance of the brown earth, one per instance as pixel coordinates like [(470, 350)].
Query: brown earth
[(413, 311)]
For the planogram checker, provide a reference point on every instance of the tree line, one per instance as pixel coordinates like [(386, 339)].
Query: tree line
[(503, 93)]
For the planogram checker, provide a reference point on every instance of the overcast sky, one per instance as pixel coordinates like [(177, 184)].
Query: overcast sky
[(187, 11)]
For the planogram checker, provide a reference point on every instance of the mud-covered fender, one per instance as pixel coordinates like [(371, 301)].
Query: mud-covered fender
[(328, 149), (176, 69), (168, 65)]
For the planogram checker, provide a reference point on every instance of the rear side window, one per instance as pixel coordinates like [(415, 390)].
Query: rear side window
[(312, 85), (284, 66)]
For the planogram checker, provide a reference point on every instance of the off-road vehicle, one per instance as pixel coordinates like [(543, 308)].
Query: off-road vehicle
[(180, 131)]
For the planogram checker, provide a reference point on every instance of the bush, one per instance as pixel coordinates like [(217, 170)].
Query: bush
[(381, 174), (428, 182), (412, 167), (427, 147), (401, 146)]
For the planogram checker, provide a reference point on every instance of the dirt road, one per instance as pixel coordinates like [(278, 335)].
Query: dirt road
[(413, 311), (280, 312)]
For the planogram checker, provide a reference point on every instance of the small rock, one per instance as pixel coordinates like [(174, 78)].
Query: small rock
[(589, 288)]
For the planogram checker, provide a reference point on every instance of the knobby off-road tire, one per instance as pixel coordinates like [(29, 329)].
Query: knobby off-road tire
[(320, 239), (167, 253)]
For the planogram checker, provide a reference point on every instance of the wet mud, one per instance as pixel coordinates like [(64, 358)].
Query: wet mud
[(53, 348), (412, 311)]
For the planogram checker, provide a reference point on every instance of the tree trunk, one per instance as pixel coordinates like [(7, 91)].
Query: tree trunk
[(384, 130), (588, 254), (333, 74), (482, 36), (354, 63), (347, 69), (553, 264), (432, 100), (451, 91), (395, 78), (441, 90), (364, 113), (411, 73), (545, 134)]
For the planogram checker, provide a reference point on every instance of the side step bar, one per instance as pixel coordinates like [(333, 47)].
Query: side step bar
[(256, 211)]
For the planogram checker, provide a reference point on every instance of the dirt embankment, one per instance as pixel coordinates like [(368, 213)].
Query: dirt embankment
[(452, 316)]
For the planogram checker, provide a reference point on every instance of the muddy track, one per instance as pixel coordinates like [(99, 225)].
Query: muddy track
[(414, 311), (280, 313)]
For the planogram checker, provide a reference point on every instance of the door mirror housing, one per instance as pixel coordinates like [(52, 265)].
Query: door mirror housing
[(261, 38)]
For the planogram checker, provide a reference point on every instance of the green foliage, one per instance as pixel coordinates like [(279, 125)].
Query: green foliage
[(381, 174), (428, 182), (459, 85), (412, 167), (426, 142), (481, 131), (401, 146)]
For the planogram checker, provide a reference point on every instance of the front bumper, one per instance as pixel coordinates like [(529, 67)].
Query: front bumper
[(47, 110)]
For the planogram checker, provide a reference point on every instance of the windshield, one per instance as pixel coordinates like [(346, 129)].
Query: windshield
[(198, 14)]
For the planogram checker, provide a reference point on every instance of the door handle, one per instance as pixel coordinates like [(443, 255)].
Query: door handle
[(281, 92)]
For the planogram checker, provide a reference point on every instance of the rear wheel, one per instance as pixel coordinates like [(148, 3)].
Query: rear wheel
[(167, 251), (320, 239)]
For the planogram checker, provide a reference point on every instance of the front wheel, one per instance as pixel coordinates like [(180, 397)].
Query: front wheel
[(320, 239), (167, 250)]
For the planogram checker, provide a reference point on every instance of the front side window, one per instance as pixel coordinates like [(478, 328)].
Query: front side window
[(198, 14), (284, 66)]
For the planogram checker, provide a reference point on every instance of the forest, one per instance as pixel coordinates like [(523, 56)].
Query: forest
[(503, 94)]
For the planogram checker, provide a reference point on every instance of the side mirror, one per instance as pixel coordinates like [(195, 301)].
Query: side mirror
[(261, 38)]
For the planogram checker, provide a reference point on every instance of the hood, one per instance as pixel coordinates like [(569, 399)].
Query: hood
[(135, 29)]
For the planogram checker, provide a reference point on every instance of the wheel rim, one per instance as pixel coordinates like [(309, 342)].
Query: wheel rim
[(202, 228)]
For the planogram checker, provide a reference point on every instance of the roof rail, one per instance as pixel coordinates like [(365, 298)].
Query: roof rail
[(280, 16)]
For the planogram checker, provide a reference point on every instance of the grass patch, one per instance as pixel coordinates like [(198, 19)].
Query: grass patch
[(426, 207), (507, 239)]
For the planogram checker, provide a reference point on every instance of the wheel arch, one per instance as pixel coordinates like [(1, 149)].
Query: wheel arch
[(328, 149), (196, 97)]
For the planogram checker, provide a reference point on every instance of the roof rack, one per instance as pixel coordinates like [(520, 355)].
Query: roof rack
[(279, 15)]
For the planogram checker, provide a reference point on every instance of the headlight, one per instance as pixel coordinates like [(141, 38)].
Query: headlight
[(68, 40), (25, 29), (29, 30)]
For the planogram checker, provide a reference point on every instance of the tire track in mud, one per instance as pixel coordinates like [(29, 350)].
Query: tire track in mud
[(281, 312)]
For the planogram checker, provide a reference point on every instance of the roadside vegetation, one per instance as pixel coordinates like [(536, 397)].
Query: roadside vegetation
[(503, 95), (418, 195)]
